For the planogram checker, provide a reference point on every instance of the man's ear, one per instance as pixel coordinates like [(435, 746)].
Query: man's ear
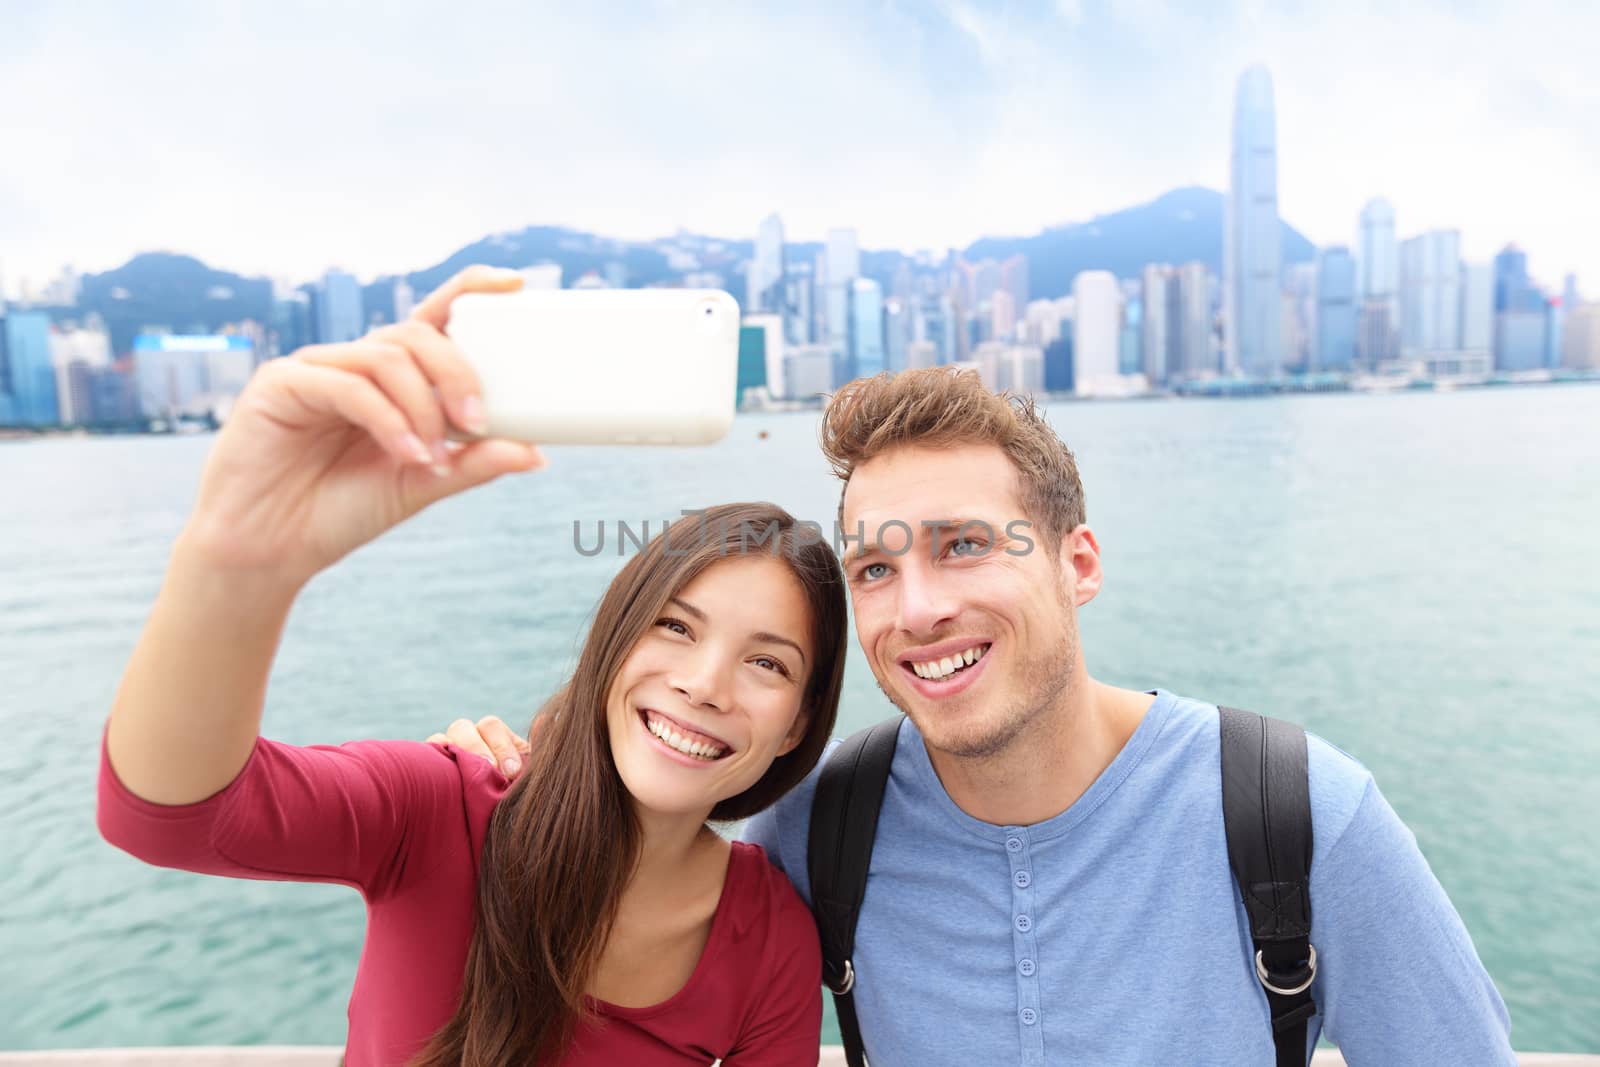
[(1080, 565), (797, 732)]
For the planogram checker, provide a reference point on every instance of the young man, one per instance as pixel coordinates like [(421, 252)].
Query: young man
[(1051, 882)]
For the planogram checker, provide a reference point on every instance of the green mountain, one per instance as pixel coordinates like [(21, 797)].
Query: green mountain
[(177, 292)]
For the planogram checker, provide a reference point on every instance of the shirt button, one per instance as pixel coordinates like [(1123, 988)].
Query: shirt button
[(1024, 923), (1026, 967), (1023, 879), (1013, 844), (1029, 1016)]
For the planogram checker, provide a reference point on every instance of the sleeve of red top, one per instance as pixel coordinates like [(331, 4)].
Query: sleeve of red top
[(351, 813), (785, 1029)]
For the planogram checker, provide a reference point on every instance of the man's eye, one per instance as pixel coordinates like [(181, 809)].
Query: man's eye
[(873, 571), (967, 546)]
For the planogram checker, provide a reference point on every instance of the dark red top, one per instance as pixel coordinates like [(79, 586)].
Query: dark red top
[(404, 823)]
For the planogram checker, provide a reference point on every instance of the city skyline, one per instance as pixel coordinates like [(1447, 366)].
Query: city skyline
[(933, 125)]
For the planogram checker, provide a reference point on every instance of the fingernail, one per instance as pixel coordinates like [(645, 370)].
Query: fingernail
[(416, 449), (512, 766), (472, 415), (441, 459)]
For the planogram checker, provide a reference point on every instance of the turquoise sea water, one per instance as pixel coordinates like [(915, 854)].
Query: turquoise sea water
[(1415, 577)]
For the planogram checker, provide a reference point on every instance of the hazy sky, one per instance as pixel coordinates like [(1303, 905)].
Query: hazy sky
[(287, 136)]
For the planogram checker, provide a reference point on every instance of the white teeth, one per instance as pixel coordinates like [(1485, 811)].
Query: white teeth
[(689, 748), (939, 668)]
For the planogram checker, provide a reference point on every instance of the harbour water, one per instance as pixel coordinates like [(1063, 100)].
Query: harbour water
[(1415, 577)]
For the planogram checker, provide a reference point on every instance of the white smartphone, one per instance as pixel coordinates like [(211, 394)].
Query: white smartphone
[(602, 366)]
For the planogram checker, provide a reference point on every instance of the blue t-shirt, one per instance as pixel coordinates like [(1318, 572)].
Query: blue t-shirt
[(1113, 933)]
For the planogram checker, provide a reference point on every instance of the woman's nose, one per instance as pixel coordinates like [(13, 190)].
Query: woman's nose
[(702, 679)]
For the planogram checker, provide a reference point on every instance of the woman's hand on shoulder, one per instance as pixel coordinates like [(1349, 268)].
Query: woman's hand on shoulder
[(491, 739)]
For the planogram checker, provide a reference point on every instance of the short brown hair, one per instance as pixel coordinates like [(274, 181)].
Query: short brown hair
[(939, 407)]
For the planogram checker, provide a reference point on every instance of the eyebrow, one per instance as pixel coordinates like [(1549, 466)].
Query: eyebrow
[(759, 635)]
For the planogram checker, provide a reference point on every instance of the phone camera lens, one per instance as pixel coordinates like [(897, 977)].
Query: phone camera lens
[(710, 310)]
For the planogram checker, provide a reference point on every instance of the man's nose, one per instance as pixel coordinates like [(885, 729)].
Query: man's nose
[(926, 604)]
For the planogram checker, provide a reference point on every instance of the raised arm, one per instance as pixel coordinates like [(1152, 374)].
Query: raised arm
[(324, 451)]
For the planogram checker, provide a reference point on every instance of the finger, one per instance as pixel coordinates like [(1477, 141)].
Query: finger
[(437, 739), (472, 465), (464, 735), (446, 368), (323, 390), (435, 310), (399, 374), (502, 742)]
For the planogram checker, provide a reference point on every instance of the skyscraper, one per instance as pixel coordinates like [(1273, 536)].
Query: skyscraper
[(1194, 322), (1477, 307), (764, 284), (844, 257), (1096, 330), (1335, 347), (1298, 316), (1252, 259), (1379, 265), (800, 304), (841, 266), (1522, 326), (404, 300), (773, 352), (1378, 284), (340, 317), (28, 394), (1430, 292), (1158, 328), (866, 328), (1002, 315), (752, 373), (1014, 280), (897, 326), (1580, 343)]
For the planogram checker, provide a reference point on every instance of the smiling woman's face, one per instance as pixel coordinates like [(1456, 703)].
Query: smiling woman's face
[(712, 692)]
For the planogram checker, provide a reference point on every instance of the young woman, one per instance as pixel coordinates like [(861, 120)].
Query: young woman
[(585, 914)]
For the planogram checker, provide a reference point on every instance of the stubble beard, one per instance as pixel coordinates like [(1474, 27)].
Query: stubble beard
[(1045, 679)]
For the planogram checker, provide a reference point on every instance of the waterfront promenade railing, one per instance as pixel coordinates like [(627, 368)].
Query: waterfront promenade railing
[(328, 1056)]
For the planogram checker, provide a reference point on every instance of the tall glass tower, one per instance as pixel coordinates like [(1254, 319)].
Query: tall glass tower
[(1252, 259), (1379, 258), (764, 284)]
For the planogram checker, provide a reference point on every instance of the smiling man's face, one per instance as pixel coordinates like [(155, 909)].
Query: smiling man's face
[(972, 632)]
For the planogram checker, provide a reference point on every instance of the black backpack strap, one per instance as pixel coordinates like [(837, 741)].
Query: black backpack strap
[(844, 821), (1266, 808)]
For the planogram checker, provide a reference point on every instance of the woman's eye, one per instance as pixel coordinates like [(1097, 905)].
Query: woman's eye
[(674, 625), (873, 571), (772, 664)]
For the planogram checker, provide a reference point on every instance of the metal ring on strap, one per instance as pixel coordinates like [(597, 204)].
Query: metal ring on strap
[(848, 983), (1266, 979)]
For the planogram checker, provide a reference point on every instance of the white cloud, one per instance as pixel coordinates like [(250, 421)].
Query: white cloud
[(284, 138)]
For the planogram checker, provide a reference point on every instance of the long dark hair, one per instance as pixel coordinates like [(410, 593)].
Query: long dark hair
[(547, 896)]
